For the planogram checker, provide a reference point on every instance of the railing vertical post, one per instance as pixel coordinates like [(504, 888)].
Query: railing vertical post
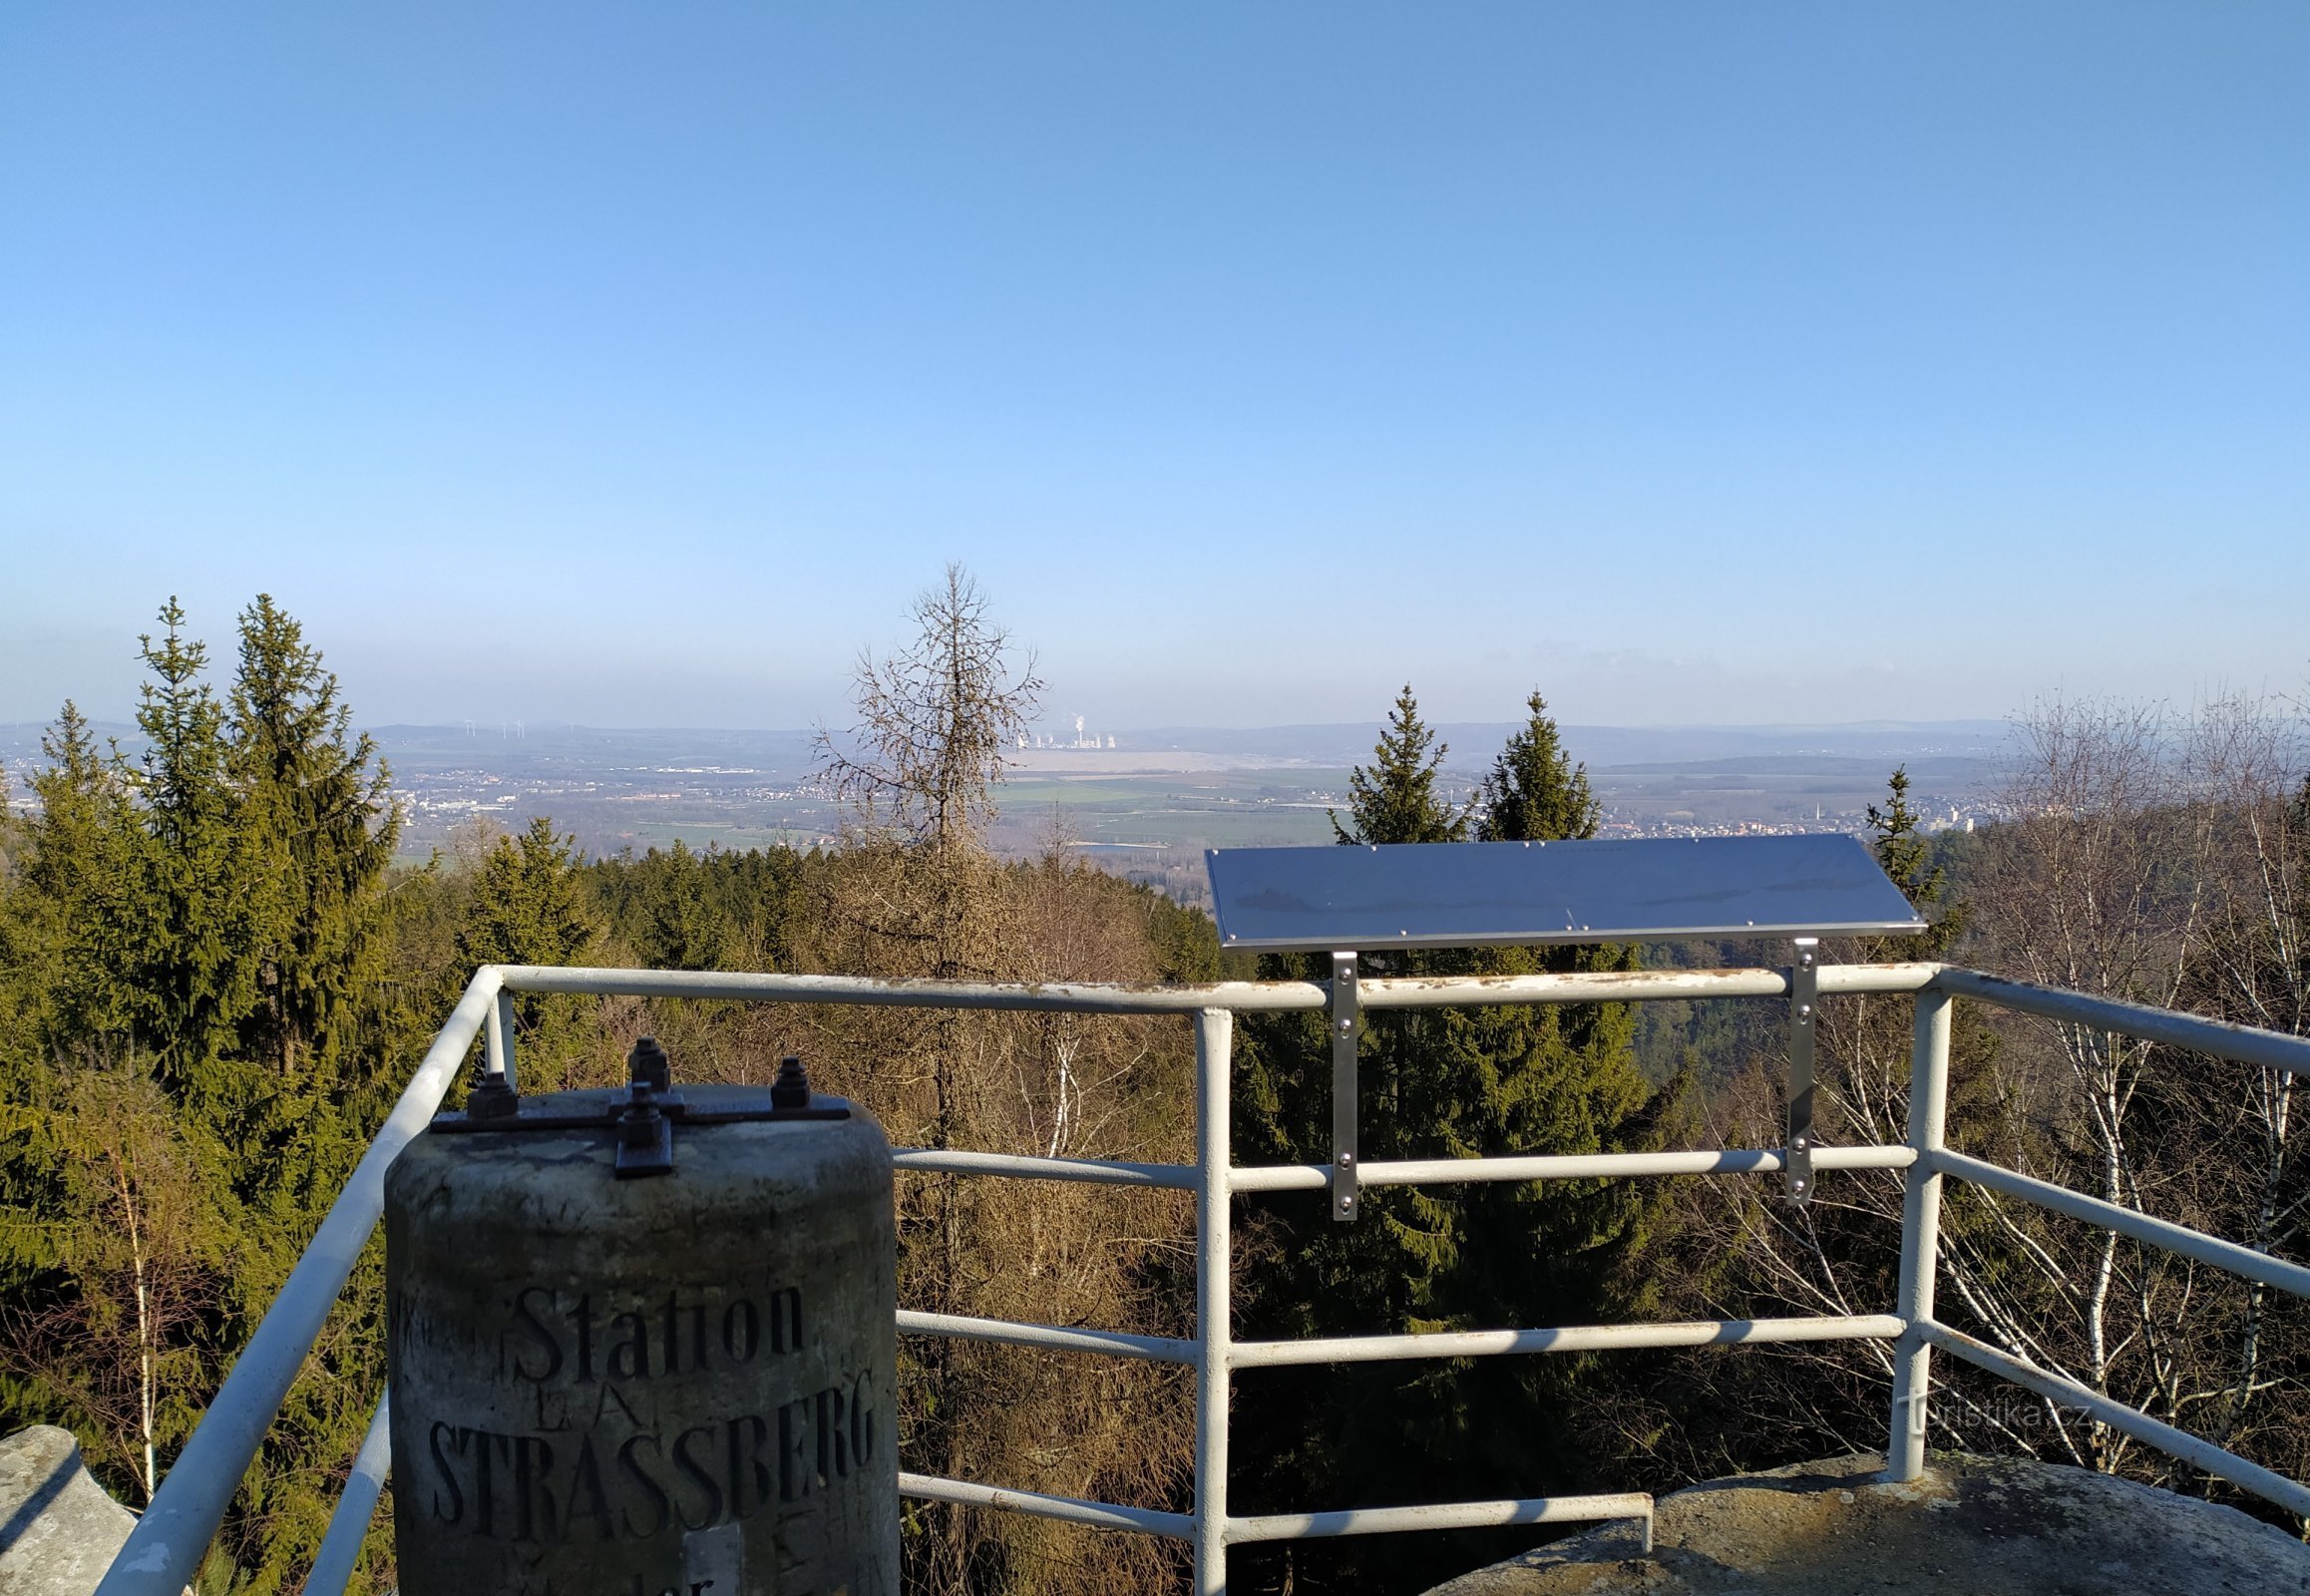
[(340, 1553), (1920, 1236), (1213, 1286), (498, 1038)]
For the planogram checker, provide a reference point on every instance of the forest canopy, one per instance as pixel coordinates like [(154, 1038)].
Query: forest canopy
[(215, 980)]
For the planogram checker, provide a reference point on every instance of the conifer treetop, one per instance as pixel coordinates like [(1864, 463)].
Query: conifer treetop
[(1534, 792), (1393, 799)]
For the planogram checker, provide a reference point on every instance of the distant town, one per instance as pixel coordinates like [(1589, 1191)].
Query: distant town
[(1144, 804)]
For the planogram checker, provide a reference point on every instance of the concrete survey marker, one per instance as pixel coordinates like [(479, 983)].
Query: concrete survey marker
[(644, 1341), (1983, 1526)]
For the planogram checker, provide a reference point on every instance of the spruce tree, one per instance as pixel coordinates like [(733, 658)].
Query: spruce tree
[(1534, 792), (202, 897), (684, 929), (66, 906), (1393, 799), (527, 905), (64, 1002), (318, 805), (1906, 855), (172, 907), (1435, 1083), (529, 908)]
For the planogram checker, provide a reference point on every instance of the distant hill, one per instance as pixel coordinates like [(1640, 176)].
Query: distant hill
[(1473, 742)]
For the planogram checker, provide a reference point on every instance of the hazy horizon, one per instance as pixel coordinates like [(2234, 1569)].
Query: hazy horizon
[(1144, 736)]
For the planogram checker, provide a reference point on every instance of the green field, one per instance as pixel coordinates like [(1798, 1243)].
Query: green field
[(1231, 809), (1168, 818)]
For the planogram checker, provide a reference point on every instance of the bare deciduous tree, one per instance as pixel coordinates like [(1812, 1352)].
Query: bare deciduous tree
[(934, 721), (916, 891), (124, 1343), (2157, 858), (2254, 966)]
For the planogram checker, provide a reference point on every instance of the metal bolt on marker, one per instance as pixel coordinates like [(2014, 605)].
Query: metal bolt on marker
[(648, 1062), (644, 1135), (792, 1087), (492, 1099), (641, 1109)]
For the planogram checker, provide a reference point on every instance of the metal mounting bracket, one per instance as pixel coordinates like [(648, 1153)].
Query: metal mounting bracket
[(1803, 1001), (1340, 1015), (643, 1121)]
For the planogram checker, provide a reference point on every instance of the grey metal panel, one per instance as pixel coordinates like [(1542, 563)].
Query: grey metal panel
[(1466, 894)]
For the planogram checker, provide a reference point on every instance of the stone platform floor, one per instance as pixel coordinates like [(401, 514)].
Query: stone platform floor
[(59, 1530), (1973, 1527)]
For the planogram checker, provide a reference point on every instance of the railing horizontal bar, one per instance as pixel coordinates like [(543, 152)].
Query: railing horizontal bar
[(1597, 1166), (1573, 986), (1086, 997), (1861, 981), (2128, 1222), (2192, 1032), (340, 1552), (1442, 1515), (1631, 985), (2194, 1451), (1572, 1166), (1056, 1338), (168, 1541), (1240, 997), (1094, 1171), (1101, 1515), (1562, 1339)]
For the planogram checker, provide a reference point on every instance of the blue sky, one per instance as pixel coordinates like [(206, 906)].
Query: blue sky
[(637, 366)]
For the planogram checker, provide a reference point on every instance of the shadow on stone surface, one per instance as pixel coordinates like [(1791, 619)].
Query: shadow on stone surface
[(59, 1530), (1978, 1525)]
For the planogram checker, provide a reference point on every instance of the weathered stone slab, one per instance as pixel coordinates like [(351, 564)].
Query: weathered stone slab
[(59, 1530), (1979, 1525)]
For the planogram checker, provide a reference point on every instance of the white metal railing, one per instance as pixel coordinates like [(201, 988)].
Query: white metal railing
[(166, 1546)]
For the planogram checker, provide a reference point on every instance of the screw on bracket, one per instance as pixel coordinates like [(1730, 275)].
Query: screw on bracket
[(1804, 993), (1343, 1003)]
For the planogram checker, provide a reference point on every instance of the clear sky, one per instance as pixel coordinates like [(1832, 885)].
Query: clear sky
[(637, 365)]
